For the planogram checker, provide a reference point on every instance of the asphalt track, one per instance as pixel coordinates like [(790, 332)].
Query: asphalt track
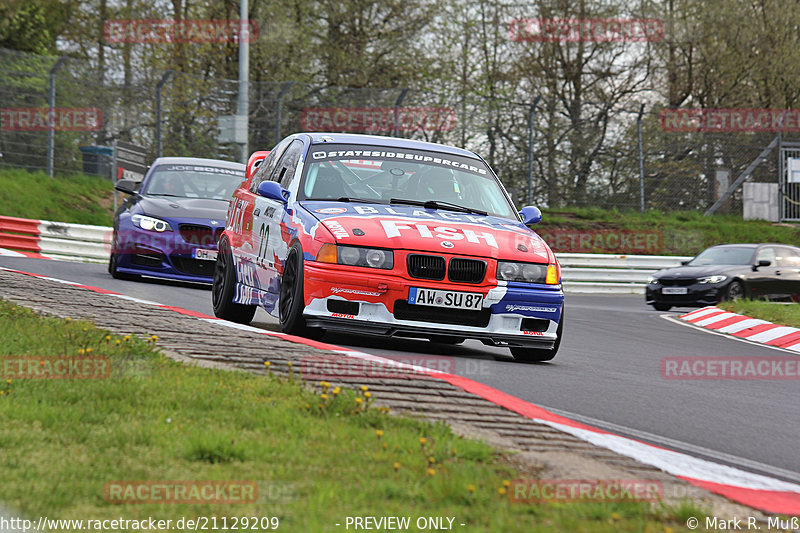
[(606, 374)]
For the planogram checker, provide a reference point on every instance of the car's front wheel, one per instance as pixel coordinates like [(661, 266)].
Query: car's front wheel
[(735, 291), (539, 355), (113, 266), (662, 307), (223, 287), (291, 301)]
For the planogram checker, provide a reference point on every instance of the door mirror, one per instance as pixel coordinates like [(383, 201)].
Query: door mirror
[(530, 215), (273, 191), (761, 263), (684, 263), (127, 186)]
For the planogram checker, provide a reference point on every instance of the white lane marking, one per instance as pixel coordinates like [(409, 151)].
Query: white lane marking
[(701, 312), (743, 325), (713, 319), (772, 334)]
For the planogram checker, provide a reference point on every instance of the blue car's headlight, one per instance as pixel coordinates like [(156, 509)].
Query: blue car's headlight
[(150, 224), (719, 278)]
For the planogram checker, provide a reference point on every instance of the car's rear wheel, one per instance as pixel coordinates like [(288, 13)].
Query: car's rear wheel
[(735, 290), (662, 307), (113, 266), (539, 355), (291, 302), (223, 287)]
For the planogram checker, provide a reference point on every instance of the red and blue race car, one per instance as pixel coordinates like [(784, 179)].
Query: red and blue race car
[(386, 236)]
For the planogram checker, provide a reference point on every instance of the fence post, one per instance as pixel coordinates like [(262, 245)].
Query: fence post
[(160, 84), (397, 104), (279, 110), (531, 116), (641, 159), (51, 104)]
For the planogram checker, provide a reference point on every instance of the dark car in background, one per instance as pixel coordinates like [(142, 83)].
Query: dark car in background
[(169, 225), (728, 272)]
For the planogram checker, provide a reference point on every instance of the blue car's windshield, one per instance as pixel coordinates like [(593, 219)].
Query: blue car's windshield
[(193, 181), (724, 255)]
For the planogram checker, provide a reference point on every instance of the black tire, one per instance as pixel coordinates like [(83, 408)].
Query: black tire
[(292, 298), (113, 262), (539, 355), (446, 339), (662, 307), (223, 286), (735, 290)]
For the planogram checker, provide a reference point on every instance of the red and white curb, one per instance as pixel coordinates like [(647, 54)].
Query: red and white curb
[(754, 490), (45, 239), (745, 327)]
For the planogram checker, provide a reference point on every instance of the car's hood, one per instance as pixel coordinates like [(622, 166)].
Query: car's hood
[(432, 230), (685, 272), (184, 208)]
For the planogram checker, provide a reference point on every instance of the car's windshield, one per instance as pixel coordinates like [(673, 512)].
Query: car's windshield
[(193, 181), (380, 174), (724, 255)]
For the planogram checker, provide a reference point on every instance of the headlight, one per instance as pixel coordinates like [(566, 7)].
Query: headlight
[(652, 279), (356, 256), (712, 279), (527, 272), (150, 223)]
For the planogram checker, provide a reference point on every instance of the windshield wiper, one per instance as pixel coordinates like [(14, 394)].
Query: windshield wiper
[(165, 194), (359, 200), (435, 204)]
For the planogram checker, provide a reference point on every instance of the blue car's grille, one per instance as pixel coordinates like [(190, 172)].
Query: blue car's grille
[(199, 235)]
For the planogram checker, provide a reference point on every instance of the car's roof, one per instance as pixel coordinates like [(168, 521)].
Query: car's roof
[(753, 245), (394, 142), (198, 161)]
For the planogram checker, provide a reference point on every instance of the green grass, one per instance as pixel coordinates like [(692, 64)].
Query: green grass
[(785, 314), (684, 232), (316, 460), (76, 199)]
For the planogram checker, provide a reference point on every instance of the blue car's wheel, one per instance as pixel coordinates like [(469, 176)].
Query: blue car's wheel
[(113, 264), (223, 286)]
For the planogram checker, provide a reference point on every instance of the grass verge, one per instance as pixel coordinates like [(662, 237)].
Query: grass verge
[(76, 199), (785, 314), (318, 456)]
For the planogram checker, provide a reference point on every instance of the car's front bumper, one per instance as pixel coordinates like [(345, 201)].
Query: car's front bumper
[(373, 302), (697, 295)]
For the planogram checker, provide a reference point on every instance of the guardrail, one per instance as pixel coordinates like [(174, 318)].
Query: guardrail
[(55, 240), (582, 273)]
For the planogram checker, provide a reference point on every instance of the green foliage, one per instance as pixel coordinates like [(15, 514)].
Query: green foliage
[(76, 198)]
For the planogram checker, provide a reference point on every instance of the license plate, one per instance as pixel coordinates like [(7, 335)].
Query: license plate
[(449, 299), (674, 290), (208, 255)]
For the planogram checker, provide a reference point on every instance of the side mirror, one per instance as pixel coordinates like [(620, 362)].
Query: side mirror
[(126, 186), (530, 215), (761, 263), (273, 191), (684, 263)]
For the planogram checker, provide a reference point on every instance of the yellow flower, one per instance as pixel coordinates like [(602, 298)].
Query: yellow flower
[(85, 329), (506, 483), (2, 392), (308, 406), (367, 395), (396, 466), (470, 488), (501, 491), (153, 338), (67, 319), (8, 381), (379, 433), (126, 338), (364, 388), (431, 459), (359, 400), (614, 516), (323, 396), (108, 337), (267, 363), (422, 441), (81, 351), (119, 342), (430, 471), (289, 363), (88, 351), (324, 384), (453, 451), (337, 390)]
